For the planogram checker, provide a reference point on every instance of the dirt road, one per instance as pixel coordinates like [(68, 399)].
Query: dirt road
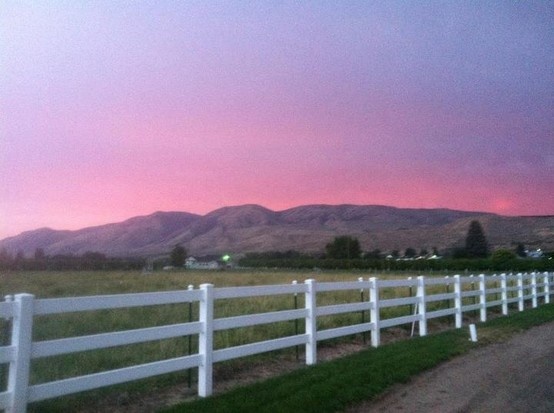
[(514, 376)]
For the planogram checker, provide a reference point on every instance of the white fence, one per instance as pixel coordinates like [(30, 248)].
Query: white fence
[(21, 309)]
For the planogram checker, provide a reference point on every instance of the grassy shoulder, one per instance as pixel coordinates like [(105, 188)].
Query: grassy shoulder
[(335, 385)]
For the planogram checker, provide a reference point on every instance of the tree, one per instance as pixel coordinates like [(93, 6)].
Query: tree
[(19, 260), (93, 260), (476, 242), (373, 255), (5, 259), (520, 250), (503, 255), (40, 259), (459, 253), (410, 252), (39, 254), (344, 247), (178, 256)]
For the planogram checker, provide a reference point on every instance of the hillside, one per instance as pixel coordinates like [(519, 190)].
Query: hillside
[(250, 228)]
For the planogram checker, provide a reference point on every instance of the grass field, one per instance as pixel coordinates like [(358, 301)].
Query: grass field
[(336, 385), (86, 283), (68, 284), (46, 284)]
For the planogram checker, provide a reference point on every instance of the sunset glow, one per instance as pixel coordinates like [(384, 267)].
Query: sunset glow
[(110, 110)]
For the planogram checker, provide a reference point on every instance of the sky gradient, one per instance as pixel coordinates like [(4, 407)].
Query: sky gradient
[(110, 110)]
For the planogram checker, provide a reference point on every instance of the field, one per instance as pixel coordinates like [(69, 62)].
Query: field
[(67, 284), (77, 283)]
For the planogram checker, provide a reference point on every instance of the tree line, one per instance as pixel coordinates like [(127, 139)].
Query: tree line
[(254, 260), (344, 252), (61, 262)]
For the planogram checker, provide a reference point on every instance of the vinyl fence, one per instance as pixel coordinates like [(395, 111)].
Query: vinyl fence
[(461, 293)]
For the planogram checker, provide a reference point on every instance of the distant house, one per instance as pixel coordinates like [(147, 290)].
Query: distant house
[(194, 264), (434, 257), (534, 254)]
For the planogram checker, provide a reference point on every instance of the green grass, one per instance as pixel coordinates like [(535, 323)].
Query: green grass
[(333, 386)]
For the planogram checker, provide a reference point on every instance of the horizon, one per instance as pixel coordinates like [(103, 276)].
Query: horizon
[(114, 110)]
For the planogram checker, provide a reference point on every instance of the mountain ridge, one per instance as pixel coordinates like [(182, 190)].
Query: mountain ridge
[(305, 228)]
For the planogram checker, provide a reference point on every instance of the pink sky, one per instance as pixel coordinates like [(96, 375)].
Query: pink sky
[(111, 109)]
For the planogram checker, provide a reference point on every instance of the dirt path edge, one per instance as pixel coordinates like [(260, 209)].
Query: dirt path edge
[(513, 376)]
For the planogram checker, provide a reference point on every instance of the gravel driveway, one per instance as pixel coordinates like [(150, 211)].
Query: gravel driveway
[(514, 376)]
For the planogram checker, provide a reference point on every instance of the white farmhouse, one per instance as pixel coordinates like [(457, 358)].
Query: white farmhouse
[(193, 264)]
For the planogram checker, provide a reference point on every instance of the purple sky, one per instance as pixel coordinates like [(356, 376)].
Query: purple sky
[(111, 109)]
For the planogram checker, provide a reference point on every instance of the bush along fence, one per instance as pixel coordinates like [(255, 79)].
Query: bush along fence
[(426, 299)]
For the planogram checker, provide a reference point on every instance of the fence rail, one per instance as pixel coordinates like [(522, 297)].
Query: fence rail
[(462, 294)]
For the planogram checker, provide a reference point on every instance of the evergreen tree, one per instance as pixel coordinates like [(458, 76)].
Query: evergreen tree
[(520, 251), (178, 256), (476, 242), (410, 252)]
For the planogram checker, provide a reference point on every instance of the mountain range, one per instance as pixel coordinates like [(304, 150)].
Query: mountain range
[(253, 228)]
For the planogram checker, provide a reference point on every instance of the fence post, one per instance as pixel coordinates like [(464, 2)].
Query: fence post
[(546, 288), (520, 303), (482, 298), (458, 301), (361, 280), (422, 306), (504, 293), (6, 341), (22, 336), (447, 290), (411, 294), (534, 289), (189, 338), (296, 348), (311, 322), (374, 311), (205, 341)]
